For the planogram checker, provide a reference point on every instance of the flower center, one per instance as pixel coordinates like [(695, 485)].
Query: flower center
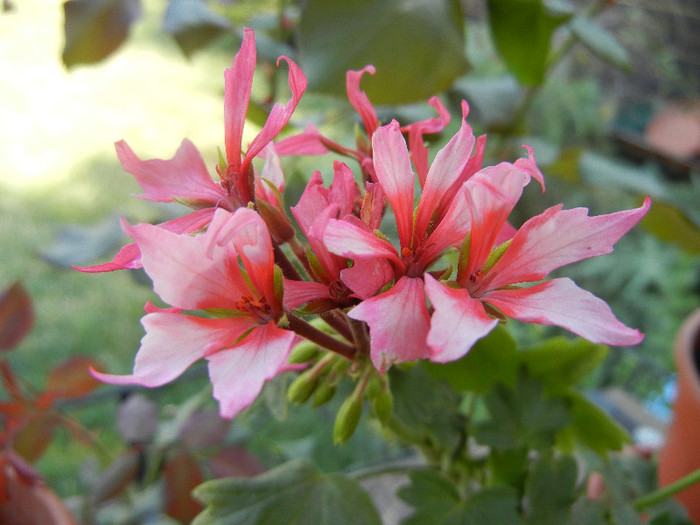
[(259, 310)]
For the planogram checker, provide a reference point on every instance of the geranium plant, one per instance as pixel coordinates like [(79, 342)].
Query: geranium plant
[(413, 324)]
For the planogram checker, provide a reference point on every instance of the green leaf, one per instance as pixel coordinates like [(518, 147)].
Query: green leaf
[(193, 24), (561, 363), (593, 427), (522, 416), (670, 224), (437, 502), (96, 28), (83, 245), (425, 407), (294, 493), (551, 489), (600, 41), (522, 31), (416, 47), (493, 359)]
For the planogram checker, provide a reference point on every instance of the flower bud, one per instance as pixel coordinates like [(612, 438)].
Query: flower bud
[(324, 393), (347, 419), (303, 352), (302, 387), (383, 403)]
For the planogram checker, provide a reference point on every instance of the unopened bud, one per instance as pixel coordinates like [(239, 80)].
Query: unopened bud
[(324, 393), (347, 419), (302, 387), (303, 352), (383, 403)]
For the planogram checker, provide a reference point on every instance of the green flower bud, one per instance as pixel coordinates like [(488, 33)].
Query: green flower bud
[(303, 352), (302, 387), (347, 419), (324, 393), (383, 403)]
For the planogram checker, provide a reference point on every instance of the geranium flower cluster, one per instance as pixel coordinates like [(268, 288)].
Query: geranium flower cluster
[(242, 287)]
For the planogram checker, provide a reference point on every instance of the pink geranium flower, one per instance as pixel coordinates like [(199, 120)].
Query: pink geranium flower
[(489, 283), (425, 233), (185, 178), (229, 272)]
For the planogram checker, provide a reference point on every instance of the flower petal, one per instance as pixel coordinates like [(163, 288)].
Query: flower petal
[(457, 323), (367, 275), (394, 173), (443, 179), (184, 177), (359, 99), (560, 302), (419, 151), (300, 292), (279, 114), (398, 323), (173, 342), (238, 374), (238, 81), (183, 274), (128, 257), (491, 195), (248, 234), (558, 237), (349, 240)]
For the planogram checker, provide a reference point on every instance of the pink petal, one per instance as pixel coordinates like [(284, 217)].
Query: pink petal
[(398, 323), (349, 240), (271, 175), (419, 152), (558, 237), (310, 142), (457, 323), (182, 272), (491, 195), (297, 293), (359, 99), (393, 170), (344, 191), (249, 235), (449, 231), (529, 166), (367, 276), (173, 342), (128, 257), (475, 163), (184, 177), (238, 81), (239, 373), (560, 302), (443, 180), (279, 114)]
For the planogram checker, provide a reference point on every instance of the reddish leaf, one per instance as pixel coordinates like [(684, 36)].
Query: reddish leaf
[(235, 462), (16, 316), (182, 475), (31, 441), (30, 503), (72, 378), (96, 28)]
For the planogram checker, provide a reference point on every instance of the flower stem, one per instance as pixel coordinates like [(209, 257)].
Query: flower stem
[(287, 267), (666, 492), (307, 331)]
